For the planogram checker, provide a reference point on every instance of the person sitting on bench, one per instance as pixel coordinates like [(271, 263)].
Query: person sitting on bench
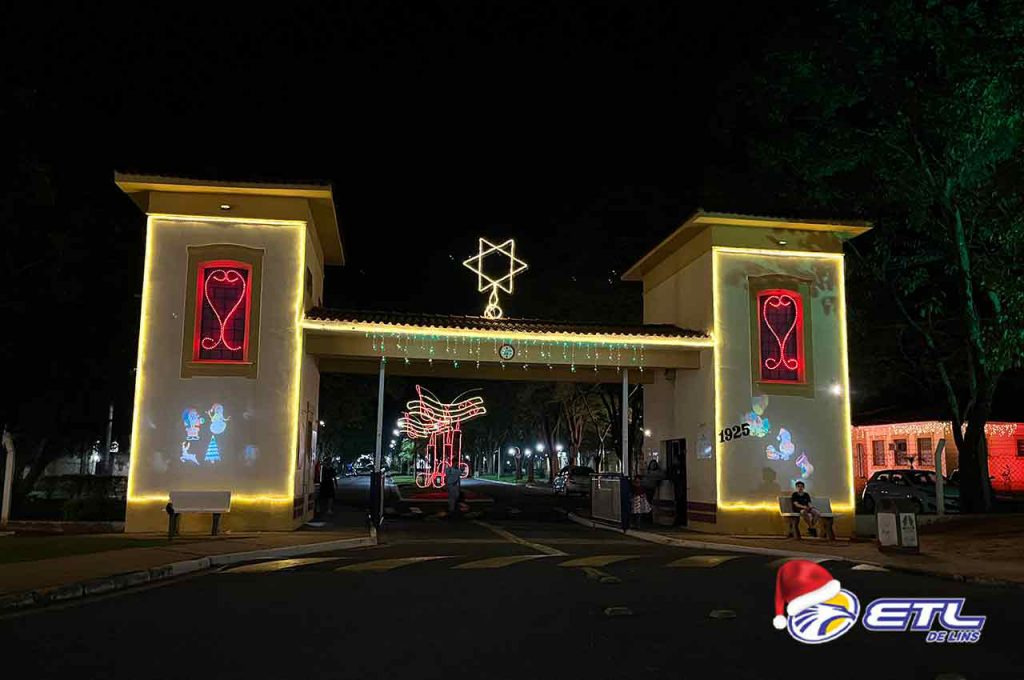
[(802, 504)]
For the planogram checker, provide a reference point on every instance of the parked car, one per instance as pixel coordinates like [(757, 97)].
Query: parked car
[(573, 479), (916, 485)]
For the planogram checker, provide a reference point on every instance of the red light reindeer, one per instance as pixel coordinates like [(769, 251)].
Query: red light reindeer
[(441, 424)]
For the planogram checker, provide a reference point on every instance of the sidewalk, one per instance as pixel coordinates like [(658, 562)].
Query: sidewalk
[(100, 563), (987, 549)]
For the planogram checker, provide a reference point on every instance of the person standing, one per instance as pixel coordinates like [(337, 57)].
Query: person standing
[(453, 481), (328, 483), (640, 504)]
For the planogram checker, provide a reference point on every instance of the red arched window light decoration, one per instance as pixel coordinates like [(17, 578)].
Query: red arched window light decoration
[(780, 322), (223, 307)]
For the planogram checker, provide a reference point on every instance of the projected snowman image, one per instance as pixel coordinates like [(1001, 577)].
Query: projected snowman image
[(193, 423)]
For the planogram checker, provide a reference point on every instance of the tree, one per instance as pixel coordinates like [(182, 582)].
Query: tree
[(575, 417), (911, 114)]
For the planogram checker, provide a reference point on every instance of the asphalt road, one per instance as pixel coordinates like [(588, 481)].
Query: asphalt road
[(526, 596)]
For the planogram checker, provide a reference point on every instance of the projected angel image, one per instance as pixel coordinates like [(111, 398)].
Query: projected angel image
[(440, 424)]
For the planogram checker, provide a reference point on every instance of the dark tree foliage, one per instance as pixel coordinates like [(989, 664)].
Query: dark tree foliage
[(911, 114), (69, 322)]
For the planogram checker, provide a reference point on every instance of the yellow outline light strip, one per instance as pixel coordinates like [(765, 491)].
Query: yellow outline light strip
[(605, 339), (717, 360), (235, 498), (839, 258), (297, 385), (845, 377), (236, 220), (778, 253), (144, 323)]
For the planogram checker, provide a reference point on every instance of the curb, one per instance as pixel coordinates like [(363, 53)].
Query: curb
[(775, 552), (15, 602), (702, 545)]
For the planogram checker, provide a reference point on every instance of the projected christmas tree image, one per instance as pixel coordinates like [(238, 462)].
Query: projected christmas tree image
[(441, 425)]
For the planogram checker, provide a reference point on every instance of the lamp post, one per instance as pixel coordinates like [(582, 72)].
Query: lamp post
[(540, 450), (517, 453), (529, 464)]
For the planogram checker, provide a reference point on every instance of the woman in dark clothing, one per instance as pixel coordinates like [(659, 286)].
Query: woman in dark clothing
[(328, 480)]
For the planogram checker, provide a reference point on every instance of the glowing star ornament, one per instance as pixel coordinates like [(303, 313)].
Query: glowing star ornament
[(504, 281)]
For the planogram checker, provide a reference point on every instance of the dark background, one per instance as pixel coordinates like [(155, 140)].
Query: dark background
[(587, 131)]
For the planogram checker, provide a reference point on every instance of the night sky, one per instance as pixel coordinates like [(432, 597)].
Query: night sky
[(581, 129), (588, 131)]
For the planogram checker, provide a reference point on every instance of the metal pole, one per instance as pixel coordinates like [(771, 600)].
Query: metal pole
[(625, 422), (109, 459), (377, 478), (380, 416), (940, 496), (5, 508)]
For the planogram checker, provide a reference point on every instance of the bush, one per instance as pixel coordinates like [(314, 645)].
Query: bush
[(94, 509)]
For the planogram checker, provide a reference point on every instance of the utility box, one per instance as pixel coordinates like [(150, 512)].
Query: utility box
[(610, 499), (897, 526)]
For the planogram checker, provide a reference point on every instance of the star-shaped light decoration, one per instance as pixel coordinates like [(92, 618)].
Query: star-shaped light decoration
[(504, 281)]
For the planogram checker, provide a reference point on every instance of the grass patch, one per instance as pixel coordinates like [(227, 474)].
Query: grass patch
[(28, 548)]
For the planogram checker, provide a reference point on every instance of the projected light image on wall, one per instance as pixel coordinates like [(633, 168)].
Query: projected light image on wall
[(203, 441), (440, 424)]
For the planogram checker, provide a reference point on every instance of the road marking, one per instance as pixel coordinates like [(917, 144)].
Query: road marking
[(775, 564), (278, 565), (868, 567), (591, 541), (509, 536), (596, 560), (388, 564), (701, 561), (453, 541), (498, 562), (600, 576)]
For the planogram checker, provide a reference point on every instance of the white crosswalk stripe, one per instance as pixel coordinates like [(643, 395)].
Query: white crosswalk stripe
[(775, 564), (279, 565)]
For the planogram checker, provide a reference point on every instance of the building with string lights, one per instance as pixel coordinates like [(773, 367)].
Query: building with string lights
[(914, 444)]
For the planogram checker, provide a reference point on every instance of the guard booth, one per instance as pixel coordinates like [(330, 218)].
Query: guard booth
[(744, 325)]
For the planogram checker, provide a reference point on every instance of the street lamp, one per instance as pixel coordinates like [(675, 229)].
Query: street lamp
[(647, 433), (517, 453)]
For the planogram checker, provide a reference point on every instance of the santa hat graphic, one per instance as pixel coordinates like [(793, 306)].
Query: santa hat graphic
[(800, 584)]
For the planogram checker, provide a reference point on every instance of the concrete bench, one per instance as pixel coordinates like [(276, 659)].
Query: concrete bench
[(197, 502), (824, 508)]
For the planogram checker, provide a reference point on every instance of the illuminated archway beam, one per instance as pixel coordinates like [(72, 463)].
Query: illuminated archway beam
[(607, 340)]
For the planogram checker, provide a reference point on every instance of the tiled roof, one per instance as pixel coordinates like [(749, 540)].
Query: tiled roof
[(510, 325)]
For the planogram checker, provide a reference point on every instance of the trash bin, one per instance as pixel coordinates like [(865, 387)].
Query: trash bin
[(665, 504), (897, 526)]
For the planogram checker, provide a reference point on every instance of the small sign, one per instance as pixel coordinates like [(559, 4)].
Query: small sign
[(887, 535), (506, 352), (908, 529)]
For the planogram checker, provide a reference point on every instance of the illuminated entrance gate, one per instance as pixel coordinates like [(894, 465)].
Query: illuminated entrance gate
[(234, 337)]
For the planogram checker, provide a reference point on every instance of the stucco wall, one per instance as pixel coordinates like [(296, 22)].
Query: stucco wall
[(257, 448), (817, 423), (680, 404)]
